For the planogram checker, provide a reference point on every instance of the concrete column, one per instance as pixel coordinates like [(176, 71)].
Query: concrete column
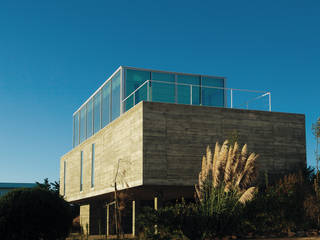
[(156, 208), (108, 215), (133, 218), (155, 203), (84, 218)]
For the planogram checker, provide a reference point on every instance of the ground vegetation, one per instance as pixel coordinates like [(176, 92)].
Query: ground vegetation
[(230, 203), (32, 214)]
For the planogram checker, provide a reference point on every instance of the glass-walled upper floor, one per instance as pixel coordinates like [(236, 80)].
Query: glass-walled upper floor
[(129, 86)]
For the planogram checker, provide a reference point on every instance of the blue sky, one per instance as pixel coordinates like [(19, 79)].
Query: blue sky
[(55, 54)]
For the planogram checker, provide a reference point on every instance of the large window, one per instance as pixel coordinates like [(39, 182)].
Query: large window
[(164, 91), (135, 79), (83, 124), (116, 96), (96, 112), (76, 129), (213, 96), (105, 105), (190, 93), (81, 170), (106, 102), (92, 164), (89, 119)]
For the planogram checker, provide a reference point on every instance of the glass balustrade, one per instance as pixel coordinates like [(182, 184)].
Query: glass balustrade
[(129, 86)]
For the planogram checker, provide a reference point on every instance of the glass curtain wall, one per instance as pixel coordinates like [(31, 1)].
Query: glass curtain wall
[(133, 80), (83, 124), (188, 94), (172, 88), (116, 96), (163, 87), (89, 118), (96, 112), (76, 129), (213, 96), (99, 111), (105, 105)]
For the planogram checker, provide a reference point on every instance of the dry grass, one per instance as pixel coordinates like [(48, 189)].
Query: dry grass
[(230, 167)]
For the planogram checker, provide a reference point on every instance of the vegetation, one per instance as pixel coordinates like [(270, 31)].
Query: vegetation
[(228, 202), (54, 187), (50, 186), (34, 214)]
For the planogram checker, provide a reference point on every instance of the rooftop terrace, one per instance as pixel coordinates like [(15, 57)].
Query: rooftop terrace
[(128, 86)]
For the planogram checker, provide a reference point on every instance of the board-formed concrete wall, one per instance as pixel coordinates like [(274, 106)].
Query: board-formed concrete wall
[(161, 144), (175, 138), (120, 140)]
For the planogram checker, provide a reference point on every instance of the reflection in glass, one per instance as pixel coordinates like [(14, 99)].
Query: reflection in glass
[(213, 96), (134, 79), (96, 112), (185, 92), (128, 103), (106, 99), (76, 129), (89, 118), (141, 94), (105, 106), (83, 124), (163, 92), (115, 96)]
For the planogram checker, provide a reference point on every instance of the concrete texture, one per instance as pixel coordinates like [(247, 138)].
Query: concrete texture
[(160, 147), (175, 138), (120, 140)]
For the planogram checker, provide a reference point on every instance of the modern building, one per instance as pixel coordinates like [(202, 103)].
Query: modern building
[(147, 130), (6, 187)]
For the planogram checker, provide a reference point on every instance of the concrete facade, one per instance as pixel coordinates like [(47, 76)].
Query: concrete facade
[(175, 138), (120, 140), (159, 147)]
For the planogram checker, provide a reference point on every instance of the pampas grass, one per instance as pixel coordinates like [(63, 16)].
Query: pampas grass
[(230, 168)]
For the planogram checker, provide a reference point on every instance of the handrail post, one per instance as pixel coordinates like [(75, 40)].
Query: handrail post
[(148, 91), (231, 92), (191, 94), (134, 99), (269, 102)]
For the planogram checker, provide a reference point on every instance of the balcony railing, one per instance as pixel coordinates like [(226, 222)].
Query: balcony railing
[(180, 93)]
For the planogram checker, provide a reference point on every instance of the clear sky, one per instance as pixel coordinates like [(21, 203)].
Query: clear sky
[(55, 54)]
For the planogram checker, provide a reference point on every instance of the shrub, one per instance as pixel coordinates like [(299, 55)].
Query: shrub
[(225, 186), (290, 204), (34, 214)]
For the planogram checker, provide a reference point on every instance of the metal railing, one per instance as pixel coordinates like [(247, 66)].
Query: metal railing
[(182, 93)]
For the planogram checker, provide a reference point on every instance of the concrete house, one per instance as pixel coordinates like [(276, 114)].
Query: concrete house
[(147, 130)]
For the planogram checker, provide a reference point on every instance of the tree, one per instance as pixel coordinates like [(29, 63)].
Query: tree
[(50, 186), (54, 187), (33, 214), (120, 172)]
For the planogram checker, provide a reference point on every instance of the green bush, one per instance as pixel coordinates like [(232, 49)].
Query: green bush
[(34, 214)]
